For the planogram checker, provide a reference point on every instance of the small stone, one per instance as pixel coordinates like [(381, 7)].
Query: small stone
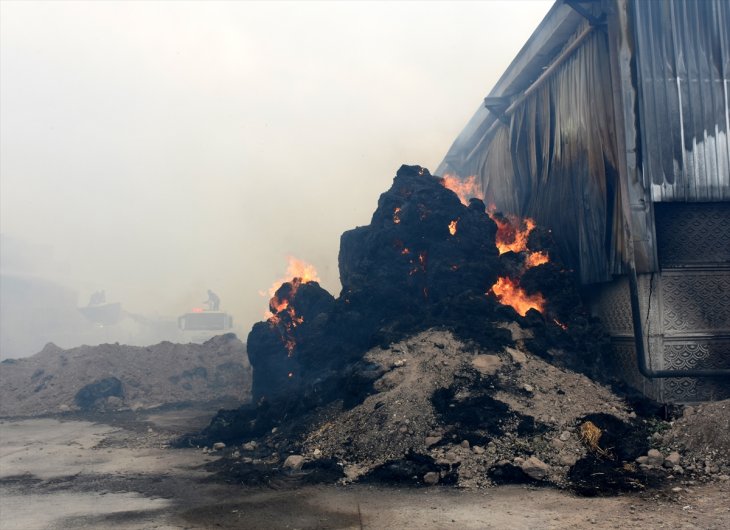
[(723, 477), (672, 459), (679, 470), (477, 450), (564, 436), (236, 454), (316, 452), (557, 443), (567, 459), (486, 364), (246, 460), (535, 468), (464, 444), (528, 388), (249, 446), (642, 460), (352, 472), (677, 489), (517, 355), (431, 478), (432, 440), (518, 460), (294, 462), (655, 458), (218, 446), (399, 363)]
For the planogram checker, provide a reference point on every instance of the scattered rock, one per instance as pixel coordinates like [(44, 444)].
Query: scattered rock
[(654, 458), (294, 462), (567, 459), (431, 478), (517, 356), (486, 364), (535, 468), (672, 459), (218, 446), (432, 440)]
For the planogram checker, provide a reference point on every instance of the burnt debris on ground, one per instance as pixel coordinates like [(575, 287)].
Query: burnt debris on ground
[(458, 352)]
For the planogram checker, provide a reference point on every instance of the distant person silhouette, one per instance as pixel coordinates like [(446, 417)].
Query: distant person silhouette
[(213, 301), (97, 298)]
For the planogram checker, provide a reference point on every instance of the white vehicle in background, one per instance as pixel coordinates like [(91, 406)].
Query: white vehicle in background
[(200, 325)]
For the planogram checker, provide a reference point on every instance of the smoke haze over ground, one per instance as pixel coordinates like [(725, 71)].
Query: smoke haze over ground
[(158, 149)]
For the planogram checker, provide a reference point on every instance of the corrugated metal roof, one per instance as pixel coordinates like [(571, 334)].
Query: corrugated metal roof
[(683, 70)]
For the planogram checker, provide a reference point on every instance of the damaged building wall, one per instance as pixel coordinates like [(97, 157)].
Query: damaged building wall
[(552, 154), (555, 161), (634, 95), (683, 69)]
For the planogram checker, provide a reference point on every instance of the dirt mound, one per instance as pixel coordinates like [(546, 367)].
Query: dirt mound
[(702, 434), (116, 377), (441, 411)]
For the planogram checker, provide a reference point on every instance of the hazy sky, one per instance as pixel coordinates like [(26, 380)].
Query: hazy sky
[(157, 149)]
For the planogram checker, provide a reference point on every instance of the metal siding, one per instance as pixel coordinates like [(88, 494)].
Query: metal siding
[(556, 162), (683, 70)]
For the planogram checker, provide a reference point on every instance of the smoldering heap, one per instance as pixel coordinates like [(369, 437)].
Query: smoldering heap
[(422, 372)]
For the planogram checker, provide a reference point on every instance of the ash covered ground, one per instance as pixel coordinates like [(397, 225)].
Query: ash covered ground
[(458, 352)]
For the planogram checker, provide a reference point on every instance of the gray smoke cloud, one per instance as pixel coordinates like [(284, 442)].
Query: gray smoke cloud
[(158, 149)]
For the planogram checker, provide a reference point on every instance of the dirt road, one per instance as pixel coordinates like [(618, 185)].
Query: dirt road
[(62, 474)]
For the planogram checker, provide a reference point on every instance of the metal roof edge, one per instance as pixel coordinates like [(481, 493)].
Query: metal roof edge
[(548, 39)]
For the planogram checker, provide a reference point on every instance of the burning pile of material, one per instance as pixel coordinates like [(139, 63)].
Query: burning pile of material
[(446, 357)]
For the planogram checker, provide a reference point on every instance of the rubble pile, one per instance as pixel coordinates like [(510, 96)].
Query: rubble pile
[(702, 436), (458, 352), (112, 377)]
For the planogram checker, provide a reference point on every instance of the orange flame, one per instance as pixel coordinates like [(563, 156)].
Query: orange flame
[(509, 292), (465, 189), (296, 268), (396, 215), (512, 233), (298, 272), (452, 227), (536, 258)]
